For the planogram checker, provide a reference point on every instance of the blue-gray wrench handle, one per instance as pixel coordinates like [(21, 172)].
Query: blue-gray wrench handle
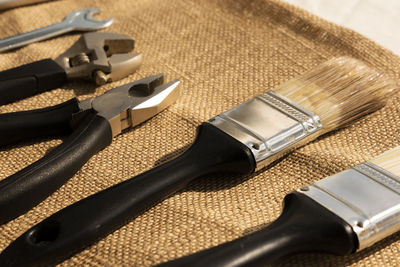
[(80, 20)]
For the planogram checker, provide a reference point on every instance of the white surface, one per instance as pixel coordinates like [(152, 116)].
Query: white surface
[(378, 20)]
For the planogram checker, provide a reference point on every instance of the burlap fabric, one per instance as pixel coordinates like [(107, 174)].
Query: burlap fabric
[(224, 52)]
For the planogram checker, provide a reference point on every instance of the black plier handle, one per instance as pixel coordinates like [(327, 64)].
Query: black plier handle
[(30, 79), (93, 123), (25, 125), (31, 185)]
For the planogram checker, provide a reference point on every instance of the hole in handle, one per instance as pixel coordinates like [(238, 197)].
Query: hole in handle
[(45, 233)]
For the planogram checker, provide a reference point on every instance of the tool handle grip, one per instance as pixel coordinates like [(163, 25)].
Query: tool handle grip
[(304, 226), (30, 79), (31, 185), (93, 218), (25, 125)]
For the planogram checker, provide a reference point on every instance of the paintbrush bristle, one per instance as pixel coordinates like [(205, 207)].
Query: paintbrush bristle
[(389, 161), (339, 91)]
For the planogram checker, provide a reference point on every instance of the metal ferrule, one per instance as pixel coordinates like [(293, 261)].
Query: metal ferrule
[(270, 126), (367, 197)]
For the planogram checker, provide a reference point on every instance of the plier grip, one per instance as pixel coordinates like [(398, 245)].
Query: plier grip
[(30, 79), (49, 121)]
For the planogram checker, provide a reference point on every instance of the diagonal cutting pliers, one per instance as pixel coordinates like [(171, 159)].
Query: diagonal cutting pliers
[(100, 57), (93, 122)]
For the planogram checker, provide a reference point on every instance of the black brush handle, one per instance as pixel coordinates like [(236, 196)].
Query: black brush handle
[(30, 79), (83, 223), (31, 185), (25, 125), (304, 226)]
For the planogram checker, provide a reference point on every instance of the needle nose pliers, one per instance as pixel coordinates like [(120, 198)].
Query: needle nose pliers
[(93, 122)]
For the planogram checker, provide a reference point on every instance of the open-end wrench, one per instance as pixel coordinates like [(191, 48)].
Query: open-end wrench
[(80, 20)]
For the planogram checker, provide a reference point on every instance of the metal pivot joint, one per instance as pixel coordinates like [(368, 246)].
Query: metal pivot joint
[(101, 57), (367, 197), (269, 125), (133, 103)]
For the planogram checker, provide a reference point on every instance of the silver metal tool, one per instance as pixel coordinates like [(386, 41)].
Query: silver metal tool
[(97, 56), (100, 56), (6, 4), (133, 103), (80, 20)]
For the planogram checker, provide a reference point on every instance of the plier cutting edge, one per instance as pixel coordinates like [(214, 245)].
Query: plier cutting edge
[(93, 122)]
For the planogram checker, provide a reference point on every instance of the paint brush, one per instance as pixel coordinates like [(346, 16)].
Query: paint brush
[(241, 140), (341, 214)]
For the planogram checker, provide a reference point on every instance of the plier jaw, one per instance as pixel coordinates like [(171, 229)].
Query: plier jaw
[(131, 104), (101, 57)]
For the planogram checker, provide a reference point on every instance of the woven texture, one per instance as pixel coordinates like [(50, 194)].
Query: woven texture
[(224, 52)]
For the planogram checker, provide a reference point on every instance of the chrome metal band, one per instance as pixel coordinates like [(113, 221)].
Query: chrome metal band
[(367, 197), (270, 126)]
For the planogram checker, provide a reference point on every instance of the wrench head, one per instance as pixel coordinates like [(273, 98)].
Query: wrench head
[(82, 20), (101, 57)]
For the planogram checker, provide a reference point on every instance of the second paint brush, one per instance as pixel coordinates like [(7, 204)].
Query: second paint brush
[(341, 214)]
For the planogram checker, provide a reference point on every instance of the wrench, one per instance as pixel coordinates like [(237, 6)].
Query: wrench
[(80, 20)]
